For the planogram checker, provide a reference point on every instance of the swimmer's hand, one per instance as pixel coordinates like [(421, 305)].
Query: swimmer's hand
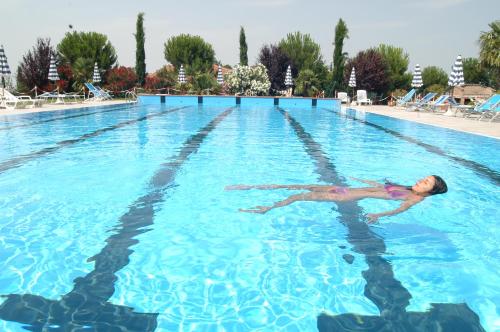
[(257, 209), (372, 218)]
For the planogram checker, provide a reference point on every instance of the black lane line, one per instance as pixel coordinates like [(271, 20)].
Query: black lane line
[(382, 288), (478, 168), (20, 160), (85, 308), (69, 117)]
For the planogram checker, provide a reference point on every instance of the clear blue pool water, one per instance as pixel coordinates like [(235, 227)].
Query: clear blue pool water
[(123, 209)]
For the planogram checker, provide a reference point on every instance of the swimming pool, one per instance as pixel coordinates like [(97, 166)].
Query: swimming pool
[(117, 216)]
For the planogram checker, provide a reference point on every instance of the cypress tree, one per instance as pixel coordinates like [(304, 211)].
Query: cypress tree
[(243, 48), (140, 54), (339, 56)]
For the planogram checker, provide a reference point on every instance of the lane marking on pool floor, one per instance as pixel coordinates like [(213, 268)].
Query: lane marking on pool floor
[(472, 165), (72, 116), (382, 288), (22, 159), (87, 306)]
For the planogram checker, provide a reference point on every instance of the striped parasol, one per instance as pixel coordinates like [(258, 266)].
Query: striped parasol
[(53, 76), (456, 77), (417, 77), (182, 75), (288, 77), (352, 78), (4, 66), (96, 78), (220, 79)]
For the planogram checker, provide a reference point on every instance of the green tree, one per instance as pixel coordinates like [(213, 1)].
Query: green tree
[(90, 47), (433, 75), (475, 73), (397, 62), (304, 52), (489, 53), (243, 48), (307, 83), (140, 54), (192, 51), (339, 57), (489, 42)]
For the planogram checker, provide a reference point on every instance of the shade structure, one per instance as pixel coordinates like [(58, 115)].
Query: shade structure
[(456, 77), (4, 66), (288, 77), (182, 75), (352, 78), (53, 76), (417, 82), (96, 77), (220, 79)]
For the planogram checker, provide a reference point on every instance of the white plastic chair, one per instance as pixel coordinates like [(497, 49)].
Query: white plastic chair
[(362, 98), (344, 98)]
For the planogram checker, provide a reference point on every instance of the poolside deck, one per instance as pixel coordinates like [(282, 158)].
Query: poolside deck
[(56, 107), (484, 128)]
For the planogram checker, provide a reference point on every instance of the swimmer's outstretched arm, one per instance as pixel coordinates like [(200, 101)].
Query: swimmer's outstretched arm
[(373, 217), (278, 186), (285, 202), (371, 183)]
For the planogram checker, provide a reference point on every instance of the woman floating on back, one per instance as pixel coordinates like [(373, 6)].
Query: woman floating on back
[(410, 195)]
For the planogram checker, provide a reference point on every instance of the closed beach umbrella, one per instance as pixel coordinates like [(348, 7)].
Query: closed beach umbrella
[(417, 82), (96, 78), (182, 75), (4, 66), (456, 77), (288, 77), (53, 76), (352, 78), (220, 79)]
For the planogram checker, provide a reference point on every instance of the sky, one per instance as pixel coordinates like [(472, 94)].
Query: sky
[(432, 32)]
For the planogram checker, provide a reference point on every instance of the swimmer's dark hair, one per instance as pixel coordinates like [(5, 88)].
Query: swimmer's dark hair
[(440, 186)]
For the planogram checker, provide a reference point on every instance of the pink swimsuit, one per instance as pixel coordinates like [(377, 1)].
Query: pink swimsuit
[(396, 191)]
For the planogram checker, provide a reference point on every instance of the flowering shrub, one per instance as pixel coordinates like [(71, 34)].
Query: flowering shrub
[(120, 79), (153, 82), (249, 81)]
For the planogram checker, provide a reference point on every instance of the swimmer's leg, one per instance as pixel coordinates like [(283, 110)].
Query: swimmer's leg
[(277, 186)]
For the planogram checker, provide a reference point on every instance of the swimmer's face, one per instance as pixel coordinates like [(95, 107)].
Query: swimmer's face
[(424, 185)]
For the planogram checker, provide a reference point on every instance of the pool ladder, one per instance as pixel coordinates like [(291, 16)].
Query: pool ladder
[(131, 96)]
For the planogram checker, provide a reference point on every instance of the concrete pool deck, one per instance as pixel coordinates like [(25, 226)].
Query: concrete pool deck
[(484, 128), (59, 107)]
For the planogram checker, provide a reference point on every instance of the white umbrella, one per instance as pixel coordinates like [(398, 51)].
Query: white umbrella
[(456, 77), (220, 79), (4, 66), (352, 78), (352, 81), (417, 77), (53, 76), (182, 75), (288, 77), (96, 77)]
